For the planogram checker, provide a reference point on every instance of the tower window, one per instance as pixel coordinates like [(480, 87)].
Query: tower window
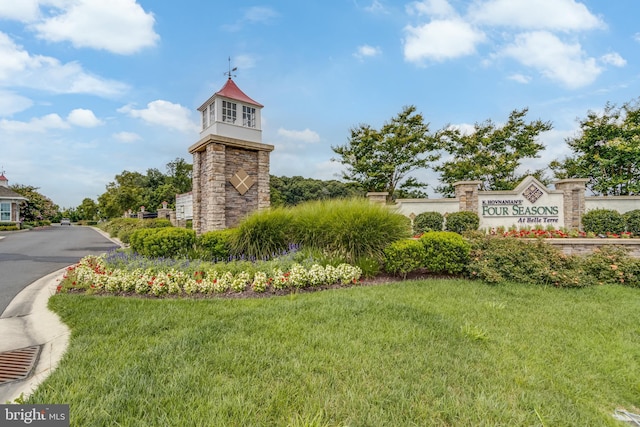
[(248, 116), (204, 119), (212, 113), (228, 112)]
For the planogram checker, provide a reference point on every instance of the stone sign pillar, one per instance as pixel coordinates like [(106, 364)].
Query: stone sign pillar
[(467, 194), (573, 191), (379, 197), (230, 180)]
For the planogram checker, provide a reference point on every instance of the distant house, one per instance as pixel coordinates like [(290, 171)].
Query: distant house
[(9, 202)]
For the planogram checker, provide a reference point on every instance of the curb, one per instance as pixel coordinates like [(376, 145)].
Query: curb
[(26, 322)]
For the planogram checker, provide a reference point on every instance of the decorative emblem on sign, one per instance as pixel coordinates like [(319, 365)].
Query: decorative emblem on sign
[(241, 181), (532, 193)]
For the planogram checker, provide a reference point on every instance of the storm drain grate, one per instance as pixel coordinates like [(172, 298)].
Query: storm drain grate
[(17, 364)]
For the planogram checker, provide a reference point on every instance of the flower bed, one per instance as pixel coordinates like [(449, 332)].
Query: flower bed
[(562, 234), (92, 275)]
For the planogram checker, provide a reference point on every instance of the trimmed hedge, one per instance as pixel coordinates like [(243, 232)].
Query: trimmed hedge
[(162, 242), (8, 226), (632, 221), (601, 221), (404, 256), (428, 221), (459, 222), (445, 252), (215, 245)]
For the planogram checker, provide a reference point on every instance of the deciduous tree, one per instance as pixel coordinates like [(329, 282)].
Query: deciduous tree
[(382, 160), (607, 151), (491, 154)]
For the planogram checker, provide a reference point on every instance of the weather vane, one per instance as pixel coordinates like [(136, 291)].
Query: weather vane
[(230, 72)]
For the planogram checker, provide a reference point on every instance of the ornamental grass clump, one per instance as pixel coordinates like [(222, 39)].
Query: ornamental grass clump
[(348, 228), (263, 234)]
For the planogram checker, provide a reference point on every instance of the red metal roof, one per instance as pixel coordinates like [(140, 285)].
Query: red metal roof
[(231, 90), (3, 178)]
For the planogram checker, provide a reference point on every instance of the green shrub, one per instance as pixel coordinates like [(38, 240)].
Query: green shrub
[(263, 234), (496, 259), (166, 242), (445, 252), (370, 266), (404, 256), (601, 221), (8, 226), (121, 228), (611, 265), (348, 228), (459, 222), (428, 221), (214, 245), (632, 221)]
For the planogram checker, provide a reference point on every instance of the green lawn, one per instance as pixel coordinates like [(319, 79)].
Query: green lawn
[(425, 353)]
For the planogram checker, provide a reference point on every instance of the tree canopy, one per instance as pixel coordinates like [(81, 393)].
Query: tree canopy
[(491, 154), (289, 191), (37, 207), (607, 151), (131, 190), (381, 160)]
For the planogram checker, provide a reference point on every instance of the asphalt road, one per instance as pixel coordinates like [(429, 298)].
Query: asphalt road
[(27, 256)]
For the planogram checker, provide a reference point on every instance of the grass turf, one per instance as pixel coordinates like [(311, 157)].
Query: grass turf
[(437, 352)]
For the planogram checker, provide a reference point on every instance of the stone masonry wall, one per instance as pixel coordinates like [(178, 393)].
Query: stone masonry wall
[(467, 195), (238, 206), (216, 203)]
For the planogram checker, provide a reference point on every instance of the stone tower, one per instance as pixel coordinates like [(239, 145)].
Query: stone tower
[(230, 162)]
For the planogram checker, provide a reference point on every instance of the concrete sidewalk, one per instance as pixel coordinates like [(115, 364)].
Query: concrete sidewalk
[(27, 322)]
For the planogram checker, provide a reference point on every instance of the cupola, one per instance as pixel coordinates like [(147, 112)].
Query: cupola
[(231, 113)]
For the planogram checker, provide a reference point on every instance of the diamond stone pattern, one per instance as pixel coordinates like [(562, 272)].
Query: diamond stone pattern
[(532, 193), (242, 182)]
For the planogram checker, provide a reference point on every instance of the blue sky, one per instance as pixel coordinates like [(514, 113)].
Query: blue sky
[(91, 88)]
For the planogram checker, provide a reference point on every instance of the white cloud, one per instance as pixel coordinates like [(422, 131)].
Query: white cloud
[(118, 26), (83, 118), (23, 10), (464, 128), (561, 15), (11, 103), (306, 135), (636, 37), (613, 59), (440, 40), (520, 78), (260, 14), (164, 113), (366, 51), (564, 63), (244, 62), (19, 68), (439, 8), (253, 15), (127, 137), (37, 125), (376, 7)]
